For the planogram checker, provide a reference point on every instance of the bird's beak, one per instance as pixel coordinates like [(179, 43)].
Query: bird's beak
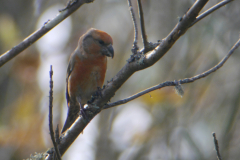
[(110, 51)]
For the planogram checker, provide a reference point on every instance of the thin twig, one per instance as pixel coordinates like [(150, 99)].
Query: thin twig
[(57, 139), (50, 115), (144, 36), (210, 10), (135, 46), (216, 146), (175, 83), (5, 57)]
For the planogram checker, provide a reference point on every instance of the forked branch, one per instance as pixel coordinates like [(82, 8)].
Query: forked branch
[(210, 10), (176, 82), (145, 61)]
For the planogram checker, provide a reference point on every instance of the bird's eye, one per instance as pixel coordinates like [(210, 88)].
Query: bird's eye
[(101, 42)]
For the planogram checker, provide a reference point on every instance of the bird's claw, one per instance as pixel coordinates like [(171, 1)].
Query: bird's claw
[(83, 112)]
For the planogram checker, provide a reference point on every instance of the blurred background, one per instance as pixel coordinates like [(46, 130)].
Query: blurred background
[(158, 125)]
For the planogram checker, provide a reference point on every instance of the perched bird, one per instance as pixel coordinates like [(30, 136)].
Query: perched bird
[(86, 71)]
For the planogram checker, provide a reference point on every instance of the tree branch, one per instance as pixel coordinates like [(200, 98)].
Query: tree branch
[(181, 27), (210, 10), (145, 61), (50, 115), (216, 146), (135, 41), (175, 82), (144, 35), (5, 57)]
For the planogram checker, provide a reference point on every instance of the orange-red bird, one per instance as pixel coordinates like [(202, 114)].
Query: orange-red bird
[(86, 71)]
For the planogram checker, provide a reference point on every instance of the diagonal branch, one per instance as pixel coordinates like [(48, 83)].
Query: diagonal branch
[(210, 10), (175, 83), (145, 61), (166, 43), (5, 57)]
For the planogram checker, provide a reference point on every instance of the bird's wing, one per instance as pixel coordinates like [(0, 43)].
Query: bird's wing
[(70, 118), (69, 71)]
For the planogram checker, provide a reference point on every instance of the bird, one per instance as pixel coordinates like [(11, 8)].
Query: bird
[(86, 71)]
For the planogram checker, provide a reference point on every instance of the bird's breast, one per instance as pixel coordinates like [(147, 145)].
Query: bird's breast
[(85, 77)]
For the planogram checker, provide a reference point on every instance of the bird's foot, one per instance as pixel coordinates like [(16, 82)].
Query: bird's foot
[(83, 112)]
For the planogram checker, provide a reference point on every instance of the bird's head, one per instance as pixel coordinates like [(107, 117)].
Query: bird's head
[(97, 43)]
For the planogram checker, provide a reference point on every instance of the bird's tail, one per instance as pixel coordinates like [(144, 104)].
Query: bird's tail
[(73, 113)]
